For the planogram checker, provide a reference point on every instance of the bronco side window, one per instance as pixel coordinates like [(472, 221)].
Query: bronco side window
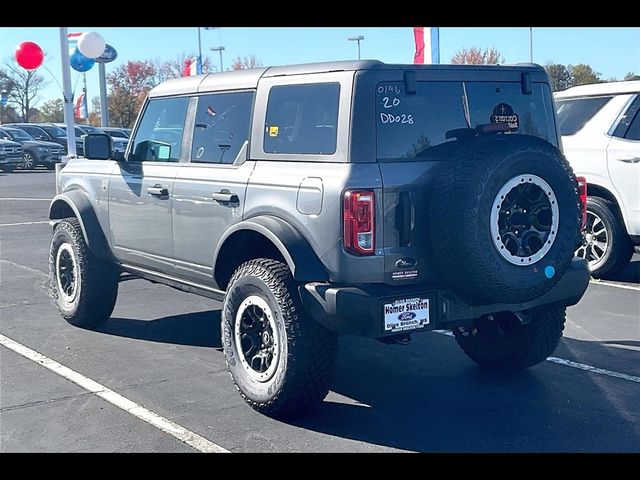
[(221, 127), (159, 135), (302, 119)]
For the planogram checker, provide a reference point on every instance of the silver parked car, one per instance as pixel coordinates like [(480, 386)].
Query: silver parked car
[(335, 198)]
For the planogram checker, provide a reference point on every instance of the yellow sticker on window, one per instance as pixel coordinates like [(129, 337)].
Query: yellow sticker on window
[(273, 131)]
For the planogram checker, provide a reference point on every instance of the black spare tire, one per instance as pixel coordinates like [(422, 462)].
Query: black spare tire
[(503, 218)]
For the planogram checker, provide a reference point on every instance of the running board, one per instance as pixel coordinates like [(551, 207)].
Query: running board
[(185, 286)]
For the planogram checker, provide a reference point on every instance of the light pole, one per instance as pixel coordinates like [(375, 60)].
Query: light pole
[(357, 38), (531, 44), (199, 51), (218, 49)]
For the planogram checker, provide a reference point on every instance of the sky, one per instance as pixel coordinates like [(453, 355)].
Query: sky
[(611, 51)]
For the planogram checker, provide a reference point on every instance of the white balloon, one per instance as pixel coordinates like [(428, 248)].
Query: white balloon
[(91, 44)]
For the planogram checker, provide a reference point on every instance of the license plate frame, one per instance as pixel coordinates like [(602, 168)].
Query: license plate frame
[(406, 314)]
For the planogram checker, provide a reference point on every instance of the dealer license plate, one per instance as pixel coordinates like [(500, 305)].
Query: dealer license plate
[(406, 314)]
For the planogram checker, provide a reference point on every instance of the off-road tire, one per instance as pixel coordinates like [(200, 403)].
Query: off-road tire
[(96, 286), (506, 344), (460, 203), (307, 350)]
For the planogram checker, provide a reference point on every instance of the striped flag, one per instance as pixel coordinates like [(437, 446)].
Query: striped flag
[(192, 66), (80, 110), (73, 37), (427, 45)]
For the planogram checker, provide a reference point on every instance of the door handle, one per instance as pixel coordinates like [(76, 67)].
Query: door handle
[(628, 159), (158, 191), (224, 196)]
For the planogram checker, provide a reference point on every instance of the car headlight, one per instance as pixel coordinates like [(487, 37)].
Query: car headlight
[(43, 149), (2, 150)]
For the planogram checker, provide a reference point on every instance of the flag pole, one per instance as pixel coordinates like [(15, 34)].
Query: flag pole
[(84, 90)]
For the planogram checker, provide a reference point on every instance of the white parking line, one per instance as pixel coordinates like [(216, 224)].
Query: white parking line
[(23, 223), (589, 368), (192, 439), (28, 199), (617, 285), (569, 363)]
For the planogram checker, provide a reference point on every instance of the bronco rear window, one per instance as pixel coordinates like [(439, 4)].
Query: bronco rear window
[(407, 126)]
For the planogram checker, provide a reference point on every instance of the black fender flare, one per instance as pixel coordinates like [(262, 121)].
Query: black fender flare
[(292, 245), (81, 206)]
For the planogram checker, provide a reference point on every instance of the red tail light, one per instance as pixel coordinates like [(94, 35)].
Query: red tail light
[(359, 224), (582, 193)]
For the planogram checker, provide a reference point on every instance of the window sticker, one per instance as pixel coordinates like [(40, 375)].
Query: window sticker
[(273, 131), (503, 113)]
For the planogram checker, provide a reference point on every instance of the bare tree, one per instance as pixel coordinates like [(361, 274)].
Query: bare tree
[(23, 88), (242, 63), (477, 56), (52, 111), (631, 76), (95, 114), (175, 68)]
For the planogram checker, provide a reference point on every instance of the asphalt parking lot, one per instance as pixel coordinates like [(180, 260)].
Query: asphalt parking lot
[(161, 350)]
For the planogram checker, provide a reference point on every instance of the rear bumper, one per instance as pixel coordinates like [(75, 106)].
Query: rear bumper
[(359, 310)]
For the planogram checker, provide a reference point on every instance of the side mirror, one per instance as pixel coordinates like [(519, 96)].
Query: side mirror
[(97, 146)]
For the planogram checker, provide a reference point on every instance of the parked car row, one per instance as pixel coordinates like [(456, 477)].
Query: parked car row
[(34, 152), (44, 144)]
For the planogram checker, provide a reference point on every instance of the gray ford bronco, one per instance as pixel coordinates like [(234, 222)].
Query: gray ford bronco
[(335, 198)]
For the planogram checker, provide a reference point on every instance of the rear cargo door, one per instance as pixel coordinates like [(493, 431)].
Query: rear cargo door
[(414, 116)]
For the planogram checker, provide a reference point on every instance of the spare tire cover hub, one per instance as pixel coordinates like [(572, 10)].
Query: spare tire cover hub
[(524, 219)]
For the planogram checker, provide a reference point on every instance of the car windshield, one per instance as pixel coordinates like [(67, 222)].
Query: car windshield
[(54, 131), (409, 125), (574, 113), (117, 133), (18, 135)]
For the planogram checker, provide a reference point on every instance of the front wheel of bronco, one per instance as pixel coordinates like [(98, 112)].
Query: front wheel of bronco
[(502, 342), (280, 359), (83, 286)]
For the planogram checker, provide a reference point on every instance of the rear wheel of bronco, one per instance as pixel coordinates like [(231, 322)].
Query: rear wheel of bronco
[(83, 286), (502, 342), (503, 218), (280, 359)]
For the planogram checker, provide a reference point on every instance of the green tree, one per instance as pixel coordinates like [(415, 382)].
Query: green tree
[(477, 56), (631, 76), (129, 85), (559, 76), (583, 74), (52, 111)]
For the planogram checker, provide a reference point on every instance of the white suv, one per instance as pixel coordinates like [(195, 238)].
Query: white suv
[(600, 127)]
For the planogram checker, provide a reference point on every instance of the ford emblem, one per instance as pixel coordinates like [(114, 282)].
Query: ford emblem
[(404, 316), (406, 262)]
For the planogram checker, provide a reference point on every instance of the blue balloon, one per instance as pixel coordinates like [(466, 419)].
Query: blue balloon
[(79, 62)]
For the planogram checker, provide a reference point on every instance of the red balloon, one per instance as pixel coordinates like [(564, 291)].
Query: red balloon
[(29, 55)]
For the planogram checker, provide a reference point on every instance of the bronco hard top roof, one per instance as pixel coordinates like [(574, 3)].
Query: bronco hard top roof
[(246, 79)]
